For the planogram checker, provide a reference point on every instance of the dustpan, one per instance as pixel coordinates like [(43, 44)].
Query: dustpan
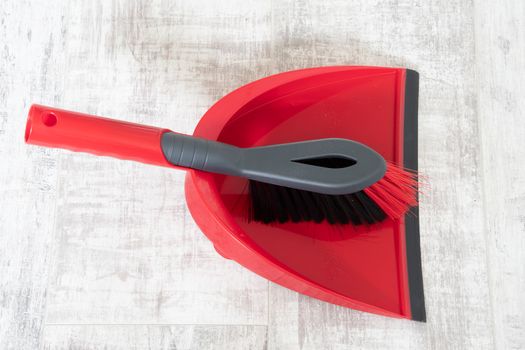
[(374, 268)]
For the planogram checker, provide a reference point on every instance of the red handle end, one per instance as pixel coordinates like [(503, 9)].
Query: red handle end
[(53, 127)]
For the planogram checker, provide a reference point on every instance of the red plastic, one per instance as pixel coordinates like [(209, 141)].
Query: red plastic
[(364, 268), (396, 192), (53, 127)]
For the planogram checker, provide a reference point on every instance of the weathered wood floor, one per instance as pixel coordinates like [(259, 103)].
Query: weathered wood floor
[(99, 254)]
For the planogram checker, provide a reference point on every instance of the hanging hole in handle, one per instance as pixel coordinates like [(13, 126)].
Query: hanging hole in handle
[(49, 119), (333, 162)]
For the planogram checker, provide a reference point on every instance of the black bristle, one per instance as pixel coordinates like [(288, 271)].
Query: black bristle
[(365, 212), (326, 204), (352, 216), (338, 210), (303, 209), (256, 210), (266, 203), (343, 213), (292, 204), (372, 208), (310, 204), (355, 208), (271, 203), (279, 209), (287, 206)]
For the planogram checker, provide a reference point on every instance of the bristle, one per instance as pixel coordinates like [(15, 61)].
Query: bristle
[(294, 205), (348, 203), (392, 197), (310, 206), (255, 208), (396, 192)]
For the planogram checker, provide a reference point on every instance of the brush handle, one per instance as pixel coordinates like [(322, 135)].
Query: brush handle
[(329, 166), (53, 127), (201, 154)]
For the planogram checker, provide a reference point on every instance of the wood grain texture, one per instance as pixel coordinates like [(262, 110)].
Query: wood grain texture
[(96, 253), (29, 60), (500, 53), (189, 337), (136, 252)]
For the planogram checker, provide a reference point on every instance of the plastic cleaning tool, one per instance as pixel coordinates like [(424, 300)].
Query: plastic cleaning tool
[(302, 177), (333, 175)]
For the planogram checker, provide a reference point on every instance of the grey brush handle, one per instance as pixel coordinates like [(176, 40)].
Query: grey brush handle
[(330, 166), (201, 154)]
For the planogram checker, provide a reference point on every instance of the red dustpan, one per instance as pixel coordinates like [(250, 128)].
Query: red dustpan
[(374, 268)]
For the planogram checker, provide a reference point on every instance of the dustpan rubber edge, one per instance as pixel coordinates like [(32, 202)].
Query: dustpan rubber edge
[(410, 155)]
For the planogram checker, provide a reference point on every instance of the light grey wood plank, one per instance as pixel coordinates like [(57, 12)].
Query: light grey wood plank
[(500, 49), (117, 337), (128, 250), (437, 39), (30, 62)]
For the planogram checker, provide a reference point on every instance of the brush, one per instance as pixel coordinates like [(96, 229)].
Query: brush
[(390, 197), (335, 180)]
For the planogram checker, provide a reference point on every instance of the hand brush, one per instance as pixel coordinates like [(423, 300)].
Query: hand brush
[(337, 180)]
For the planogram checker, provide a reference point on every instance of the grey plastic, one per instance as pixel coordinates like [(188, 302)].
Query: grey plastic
[(283, 164)]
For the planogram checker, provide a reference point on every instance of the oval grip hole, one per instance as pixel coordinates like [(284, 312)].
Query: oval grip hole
[(49, 119), (334, 162)]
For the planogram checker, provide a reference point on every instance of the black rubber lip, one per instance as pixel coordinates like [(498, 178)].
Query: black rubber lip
[(413, 250)]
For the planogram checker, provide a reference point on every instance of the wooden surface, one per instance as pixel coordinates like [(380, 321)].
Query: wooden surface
[(99, 254)]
